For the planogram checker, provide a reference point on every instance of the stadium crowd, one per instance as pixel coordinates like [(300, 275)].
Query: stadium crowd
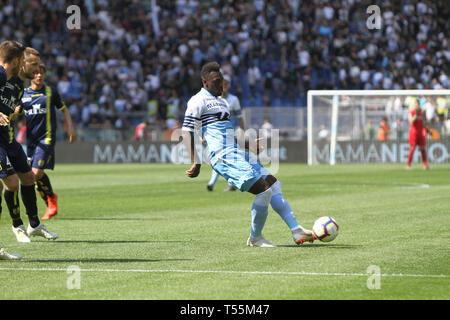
[(130, 58)]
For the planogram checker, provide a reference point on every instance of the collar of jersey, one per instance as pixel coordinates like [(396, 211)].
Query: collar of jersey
[(206, 92), (41, 89)]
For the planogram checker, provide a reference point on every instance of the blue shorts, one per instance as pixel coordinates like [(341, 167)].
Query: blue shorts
[(41, 156), (9, 169), (17, 159), (239, 171)]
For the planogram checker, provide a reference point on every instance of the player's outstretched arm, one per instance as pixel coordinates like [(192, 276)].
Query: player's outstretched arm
[(254, 147), (241, 123), (188, 140), (70, 128), (18, 111)]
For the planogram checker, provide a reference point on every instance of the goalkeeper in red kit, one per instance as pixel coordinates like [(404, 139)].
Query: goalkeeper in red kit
[(417, 134)]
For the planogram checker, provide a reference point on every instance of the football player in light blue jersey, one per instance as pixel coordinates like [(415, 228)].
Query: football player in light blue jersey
[(210, 113), (236, 120)]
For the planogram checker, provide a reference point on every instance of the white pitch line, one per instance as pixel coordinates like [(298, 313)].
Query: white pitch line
[(301, 273)]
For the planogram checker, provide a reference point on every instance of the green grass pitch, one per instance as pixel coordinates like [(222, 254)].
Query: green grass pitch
[(140, 231)]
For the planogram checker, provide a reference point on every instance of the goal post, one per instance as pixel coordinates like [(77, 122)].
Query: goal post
[(343, 125)]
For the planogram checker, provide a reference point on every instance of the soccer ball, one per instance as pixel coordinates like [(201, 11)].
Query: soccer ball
[(326, 229)]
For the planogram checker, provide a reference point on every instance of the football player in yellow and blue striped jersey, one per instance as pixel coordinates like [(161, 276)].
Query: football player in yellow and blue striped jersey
[(39, 104)]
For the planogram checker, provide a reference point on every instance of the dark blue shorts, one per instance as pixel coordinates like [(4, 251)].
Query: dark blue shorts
[(9, 169), (41, 156), (17, 159)]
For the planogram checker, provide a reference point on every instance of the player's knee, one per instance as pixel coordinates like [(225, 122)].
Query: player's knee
[(27, 179), (14, 186), (12, 183), (38, 174)]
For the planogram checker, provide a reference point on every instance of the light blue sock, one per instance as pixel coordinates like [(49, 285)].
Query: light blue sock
[(214, 177), (259, 216), (260, 210), (282, 207)]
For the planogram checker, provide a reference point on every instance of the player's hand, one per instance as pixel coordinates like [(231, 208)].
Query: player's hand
[(72, 135), (16, 113), (194, 171), (4, 119), (259, 147)]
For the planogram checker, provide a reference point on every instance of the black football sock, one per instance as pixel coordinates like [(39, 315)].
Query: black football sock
[(29, 200), (41, 193), (45, 187), (12, 201)]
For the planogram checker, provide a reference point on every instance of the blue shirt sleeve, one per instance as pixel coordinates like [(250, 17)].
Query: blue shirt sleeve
[(3, 77), (57, 101)]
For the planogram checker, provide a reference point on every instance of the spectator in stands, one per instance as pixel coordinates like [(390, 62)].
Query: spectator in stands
[(286, 47), (430, 112), (384, 130), (399, 129), (253, 79), (369, 131), (266, 129), (141, 131), (323, 133)]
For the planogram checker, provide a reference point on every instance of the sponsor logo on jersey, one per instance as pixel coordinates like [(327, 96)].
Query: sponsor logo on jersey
[(36, 109)]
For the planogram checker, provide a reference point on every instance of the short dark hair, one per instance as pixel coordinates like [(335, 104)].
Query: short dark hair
[(208, 68), (31, 51), (43, 67), (10, 50)]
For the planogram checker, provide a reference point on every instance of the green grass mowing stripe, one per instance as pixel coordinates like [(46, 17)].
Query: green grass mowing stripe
[(299, 273)]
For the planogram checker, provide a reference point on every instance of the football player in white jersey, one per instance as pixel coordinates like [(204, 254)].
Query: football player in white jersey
[(236, 120), (210, 113)]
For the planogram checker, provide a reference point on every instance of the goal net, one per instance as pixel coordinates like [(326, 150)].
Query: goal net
[(366, 126)]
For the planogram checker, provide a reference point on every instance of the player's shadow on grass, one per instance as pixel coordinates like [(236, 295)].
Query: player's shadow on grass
[(112, 241), (111, 219), (101, 260), (317, 245)]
